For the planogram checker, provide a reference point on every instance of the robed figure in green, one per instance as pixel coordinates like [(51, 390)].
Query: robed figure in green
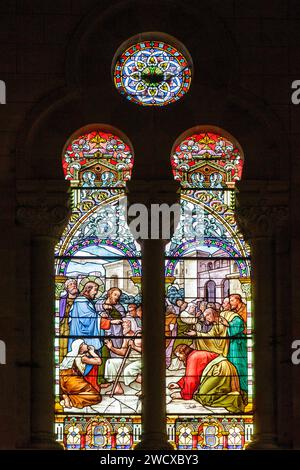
[(237, 352)]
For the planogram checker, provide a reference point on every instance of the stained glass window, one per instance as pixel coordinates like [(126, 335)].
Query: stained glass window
[(152, 73), (98, 160), (208, 301), (185, 438), (97, 308)]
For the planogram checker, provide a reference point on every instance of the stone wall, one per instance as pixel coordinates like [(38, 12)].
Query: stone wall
[(55, 58)]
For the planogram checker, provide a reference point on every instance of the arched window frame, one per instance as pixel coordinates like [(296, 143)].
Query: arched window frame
[(234, 256), (95, 149)]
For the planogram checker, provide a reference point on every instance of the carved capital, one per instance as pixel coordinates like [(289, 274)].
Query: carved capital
[(262, 208), (262, 221), (43, 220), (42, 207)]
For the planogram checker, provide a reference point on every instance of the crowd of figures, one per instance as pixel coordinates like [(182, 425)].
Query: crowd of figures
[(99, 345), (209, 340), (100, 348)]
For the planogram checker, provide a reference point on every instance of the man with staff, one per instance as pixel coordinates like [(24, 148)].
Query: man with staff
[(127, 367)]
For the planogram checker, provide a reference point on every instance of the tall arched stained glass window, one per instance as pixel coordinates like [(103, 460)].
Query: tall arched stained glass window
[(97, 319), (209, 347), (153, 72)]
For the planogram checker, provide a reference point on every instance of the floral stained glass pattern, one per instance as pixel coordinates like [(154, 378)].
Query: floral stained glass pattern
[(97, 159), (207, 160), (152, 73)]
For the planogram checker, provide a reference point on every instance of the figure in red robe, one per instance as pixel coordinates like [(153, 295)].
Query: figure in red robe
[(219, 387)]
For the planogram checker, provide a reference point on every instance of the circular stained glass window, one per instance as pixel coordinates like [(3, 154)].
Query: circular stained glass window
[(152, 73)]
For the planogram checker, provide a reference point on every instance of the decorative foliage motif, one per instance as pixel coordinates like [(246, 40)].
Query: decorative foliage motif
[(207, 220), (207, 160), (98, 432), (152, 73), (98, 159), (262, 220), (105, 221), (42, 220)]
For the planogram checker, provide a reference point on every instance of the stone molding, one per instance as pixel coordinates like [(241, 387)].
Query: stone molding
[(42, 207), (262, 208)]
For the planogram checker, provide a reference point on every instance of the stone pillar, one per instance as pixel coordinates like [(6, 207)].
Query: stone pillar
[(154, 427), (154, 349), (284, 338), (261, 209), (42, 210)]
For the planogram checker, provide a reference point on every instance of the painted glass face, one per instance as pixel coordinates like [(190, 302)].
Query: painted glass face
[(152, 73)]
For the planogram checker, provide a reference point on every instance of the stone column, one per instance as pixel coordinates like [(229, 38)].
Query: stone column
[(284, 336), (154, 349), (154, 427), (43, 211), (260, 210)]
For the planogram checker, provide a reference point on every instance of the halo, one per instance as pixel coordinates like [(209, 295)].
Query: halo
[(94, 279)]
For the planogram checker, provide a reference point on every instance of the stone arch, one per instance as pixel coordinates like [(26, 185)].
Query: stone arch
[(73, 105), (227, 248), (70, 100), (210, 291), (99, 16)]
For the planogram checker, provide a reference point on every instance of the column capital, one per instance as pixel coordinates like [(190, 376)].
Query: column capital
[(262, 208), (42, 207)]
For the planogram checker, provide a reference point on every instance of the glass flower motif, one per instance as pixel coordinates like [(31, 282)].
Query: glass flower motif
[(152, 73)]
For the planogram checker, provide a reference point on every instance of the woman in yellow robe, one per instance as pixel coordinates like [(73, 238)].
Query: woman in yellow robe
[(220, 387)]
